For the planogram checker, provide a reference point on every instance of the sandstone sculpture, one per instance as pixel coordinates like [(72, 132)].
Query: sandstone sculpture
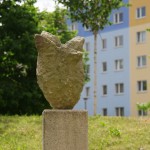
[(60, 72)]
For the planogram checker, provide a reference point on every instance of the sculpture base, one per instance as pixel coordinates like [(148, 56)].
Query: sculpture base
[(65, 130)]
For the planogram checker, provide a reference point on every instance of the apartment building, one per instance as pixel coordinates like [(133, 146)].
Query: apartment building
[(139, 54), (123, 63)]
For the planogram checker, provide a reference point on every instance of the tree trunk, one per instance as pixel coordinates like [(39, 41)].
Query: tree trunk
[(95, 73)]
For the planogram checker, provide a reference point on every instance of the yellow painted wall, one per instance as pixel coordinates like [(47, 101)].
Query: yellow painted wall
[(132, 11), (139, 73)]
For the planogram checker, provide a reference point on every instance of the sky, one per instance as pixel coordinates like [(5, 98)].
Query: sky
[(49, 5)]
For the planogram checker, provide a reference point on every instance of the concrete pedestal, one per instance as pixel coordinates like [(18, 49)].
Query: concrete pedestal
[(65, 130)]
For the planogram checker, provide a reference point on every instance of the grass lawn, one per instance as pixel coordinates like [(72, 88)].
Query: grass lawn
[(105, 133)]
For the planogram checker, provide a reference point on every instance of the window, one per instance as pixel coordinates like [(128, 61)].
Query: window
[(104, 66), (104, 111), (141, 61), (87, 72), (119, 88), (140, 12), (118, 41), (87, 46), (73, 26), (86, 29), (87, 91), (119, 111), (142, 86), (118, 18), (118, 64), (141, 36), (142, 113), (104, 44), (85, 102), (104, 90), (88, 69)]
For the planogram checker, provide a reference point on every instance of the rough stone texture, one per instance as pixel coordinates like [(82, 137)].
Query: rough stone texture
[(60, 72), (65, 130)]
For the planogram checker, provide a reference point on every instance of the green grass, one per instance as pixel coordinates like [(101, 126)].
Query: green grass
[(105, 133), (20, 132), (116, 133)]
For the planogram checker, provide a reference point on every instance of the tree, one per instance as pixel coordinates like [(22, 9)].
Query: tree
[(55, 23), (19, 22), (144, 107), (86, 66), (19, 93), (93, 14)]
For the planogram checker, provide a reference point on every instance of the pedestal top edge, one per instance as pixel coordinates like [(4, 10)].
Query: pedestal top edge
[(63, 111)]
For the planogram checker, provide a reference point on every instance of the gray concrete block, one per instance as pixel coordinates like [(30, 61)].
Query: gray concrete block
[(65, 130)]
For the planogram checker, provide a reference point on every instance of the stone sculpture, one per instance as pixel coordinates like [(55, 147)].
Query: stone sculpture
[(60, 72)]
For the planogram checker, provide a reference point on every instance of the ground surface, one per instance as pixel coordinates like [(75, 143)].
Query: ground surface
[(105, 133)]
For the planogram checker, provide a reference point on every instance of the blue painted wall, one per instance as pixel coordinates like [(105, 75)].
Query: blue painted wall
[(108, 28), (111, 77), (125, 24), (80, 104)]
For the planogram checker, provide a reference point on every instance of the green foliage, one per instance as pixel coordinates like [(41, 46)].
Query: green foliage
[(55, 23), (19, 22), (20, 133), (93, 14), (19, 91), (114, 132), (143, 106), (148, 30), (25, 133), (85, 62), (118, 133)]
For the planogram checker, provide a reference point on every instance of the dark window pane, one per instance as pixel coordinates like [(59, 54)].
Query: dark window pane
[(143, 12)]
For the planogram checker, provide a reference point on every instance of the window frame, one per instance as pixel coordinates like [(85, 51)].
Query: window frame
[(104, 90), (87, 46), (139, 12), (88, 69), (86, 29), (142, 112), (118, 41), (119, 65), (73, 26), (87, 91), (119, 88), (140, 37), (104, 44), (104, 66), (120, 111), (142, 86), (140, 61), (116, 18), (105, 112)]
